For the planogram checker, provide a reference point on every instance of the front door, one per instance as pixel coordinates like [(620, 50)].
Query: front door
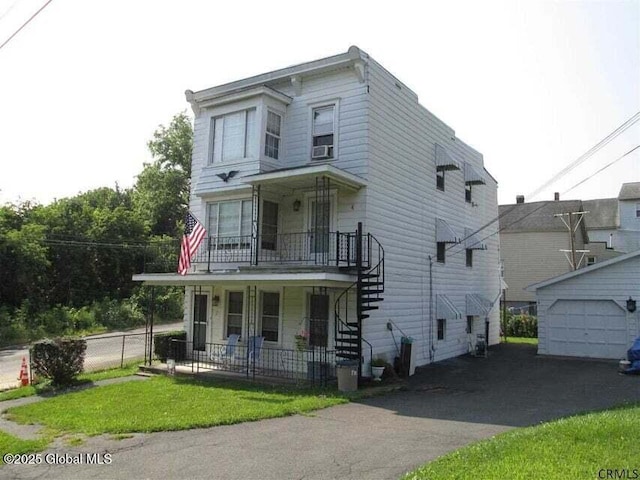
[(319, 227), (200, 302), (318, 320)]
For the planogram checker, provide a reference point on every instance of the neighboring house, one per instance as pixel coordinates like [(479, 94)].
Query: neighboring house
[(615, 222), (585, 313), (532, 238), (340, 208)]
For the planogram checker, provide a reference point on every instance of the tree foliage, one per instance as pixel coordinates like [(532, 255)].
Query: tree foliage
[(80, 251)]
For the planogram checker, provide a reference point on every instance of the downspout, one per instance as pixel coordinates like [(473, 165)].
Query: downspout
[(432, 347)]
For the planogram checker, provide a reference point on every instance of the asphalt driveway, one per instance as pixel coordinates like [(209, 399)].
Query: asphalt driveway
[(446, 406)]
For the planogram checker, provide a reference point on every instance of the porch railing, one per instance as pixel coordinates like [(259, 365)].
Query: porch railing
[(315, 366), (306, 248)]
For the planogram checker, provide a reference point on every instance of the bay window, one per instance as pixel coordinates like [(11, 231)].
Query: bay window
[(233, 136)]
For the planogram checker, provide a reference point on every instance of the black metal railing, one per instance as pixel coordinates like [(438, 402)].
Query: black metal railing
[(307, 248), (314, 365)]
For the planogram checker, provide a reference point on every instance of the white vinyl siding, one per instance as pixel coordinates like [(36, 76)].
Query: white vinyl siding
[(233, 136)]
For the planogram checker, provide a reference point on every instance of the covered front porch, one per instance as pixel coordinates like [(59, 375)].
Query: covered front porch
[(273, 324)]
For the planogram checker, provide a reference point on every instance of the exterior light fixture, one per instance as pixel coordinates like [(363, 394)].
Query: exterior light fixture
[(296, 205), (631, 305)]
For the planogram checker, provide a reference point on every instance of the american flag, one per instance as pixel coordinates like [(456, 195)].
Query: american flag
[(194, 233)]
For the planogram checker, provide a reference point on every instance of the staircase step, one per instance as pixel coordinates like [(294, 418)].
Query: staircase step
[(348, 356), (348, 332), (368, 300), (370, 275), (367, 291), (367, 283), (347, 348), (363, 316), (352, 324), (353, 341), (364, 308)]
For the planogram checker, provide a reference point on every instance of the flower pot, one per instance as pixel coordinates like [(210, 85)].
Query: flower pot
[(377, 373)]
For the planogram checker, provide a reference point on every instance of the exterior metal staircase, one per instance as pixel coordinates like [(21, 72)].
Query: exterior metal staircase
[(364, 295)]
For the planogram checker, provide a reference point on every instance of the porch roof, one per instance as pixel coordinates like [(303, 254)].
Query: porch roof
[(302, 279), (300, 178)]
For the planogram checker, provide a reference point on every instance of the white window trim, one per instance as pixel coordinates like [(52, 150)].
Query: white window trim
[(263, 144), (336, 127), (280, 292), (225, 312), (247, 141), (217, 203)]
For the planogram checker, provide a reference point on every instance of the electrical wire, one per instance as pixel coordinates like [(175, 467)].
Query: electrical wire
[(25, 24), (586, 155)]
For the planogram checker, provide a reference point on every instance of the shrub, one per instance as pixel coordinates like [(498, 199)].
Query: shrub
[(114, 314), (162, 345), (522, 326), (59, 360)]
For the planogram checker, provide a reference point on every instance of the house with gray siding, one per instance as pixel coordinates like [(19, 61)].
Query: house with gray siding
[(341, 216)]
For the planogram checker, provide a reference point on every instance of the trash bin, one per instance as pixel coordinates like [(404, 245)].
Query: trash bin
[(347, 372), (405, 356)]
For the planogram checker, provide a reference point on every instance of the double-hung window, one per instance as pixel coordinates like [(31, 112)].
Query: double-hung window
[(469, 253), (323, 131), (467, 193), (442, 328), (230, 224), (270, 316), (272, 136), (235, 303), (233, 136), (440, 180), (637, 210)]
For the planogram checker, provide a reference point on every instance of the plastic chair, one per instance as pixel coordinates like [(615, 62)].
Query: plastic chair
[(254, 348), (228, 351)]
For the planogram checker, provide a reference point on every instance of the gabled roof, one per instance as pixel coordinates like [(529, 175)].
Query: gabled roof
[(582, 271), (603, 213), (630, 191), (536, 216)]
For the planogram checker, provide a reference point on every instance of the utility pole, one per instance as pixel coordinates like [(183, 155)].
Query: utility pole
[(571, 254)]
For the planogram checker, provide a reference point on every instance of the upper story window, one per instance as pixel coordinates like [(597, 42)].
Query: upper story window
[(272, 136), (232, 136), (440, 252), (440, 179), (467, 193), (230, 220), (323, 132), (637, 210)]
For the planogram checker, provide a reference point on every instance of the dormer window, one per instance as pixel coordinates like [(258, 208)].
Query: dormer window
[(323, 130), (272, 136), (232, 136)]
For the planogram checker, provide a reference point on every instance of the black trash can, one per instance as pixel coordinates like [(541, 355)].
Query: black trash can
[(405, 356)]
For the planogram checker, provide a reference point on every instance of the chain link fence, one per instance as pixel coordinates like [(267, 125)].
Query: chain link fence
[(115, 351)]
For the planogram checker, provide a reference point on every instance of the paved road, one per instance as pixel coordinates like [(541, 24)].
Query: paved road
[(448, 405), (103, 351)]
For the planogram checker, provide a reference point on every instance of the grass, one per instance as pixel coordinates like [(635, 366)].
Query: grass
[(11, 444), (573, 447), (164, 404), (529, 341), (28, 391)]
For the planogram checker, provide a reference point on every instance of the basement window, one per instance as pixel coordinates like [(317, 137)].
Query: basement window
[(442, 328)]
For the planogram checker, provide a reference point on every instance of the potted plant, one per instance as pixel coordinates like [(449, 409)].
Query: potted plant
[(377, 368), (302, 340)]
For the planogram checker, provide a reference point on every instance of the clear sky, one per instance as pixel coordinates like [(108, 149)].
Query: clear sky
[(532, 85)]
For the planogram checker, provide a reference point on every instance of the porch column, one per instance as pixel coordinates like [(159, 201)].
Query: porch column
[(255, 219)]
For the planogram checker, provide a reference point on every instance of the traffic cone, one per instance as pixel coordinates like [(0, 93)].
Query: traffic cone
[(24, 373)]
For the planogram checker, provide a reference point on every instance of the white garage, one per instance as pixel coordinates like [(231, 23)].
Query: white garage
[(585, 313)]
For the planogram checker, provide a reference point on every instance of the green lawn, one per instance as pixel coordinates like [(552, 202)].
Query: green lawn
[(30, 390), (529, 341), (574, 447), (163, 403), (11, 444)]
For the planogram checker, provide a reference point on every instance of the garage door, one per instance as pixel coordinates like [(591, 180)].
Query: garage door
[(587, 328)]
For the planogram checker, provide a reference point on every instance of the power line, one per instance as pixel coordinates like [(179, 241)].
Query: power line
[(603, 168), (25, 23), (4, 14), (587, 154)]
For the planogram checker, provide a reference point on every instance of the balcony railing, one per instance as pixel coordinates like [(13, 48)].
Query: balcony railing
[(314, 365), (303, 248)]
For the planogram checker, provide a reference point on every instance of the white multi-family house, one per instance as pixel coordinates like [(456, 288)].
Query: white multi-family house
[(341, 215)]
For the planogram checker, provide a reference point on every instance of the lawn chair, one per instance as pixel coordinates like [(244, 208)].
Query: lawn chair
[(254, 348), (228, 351)]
